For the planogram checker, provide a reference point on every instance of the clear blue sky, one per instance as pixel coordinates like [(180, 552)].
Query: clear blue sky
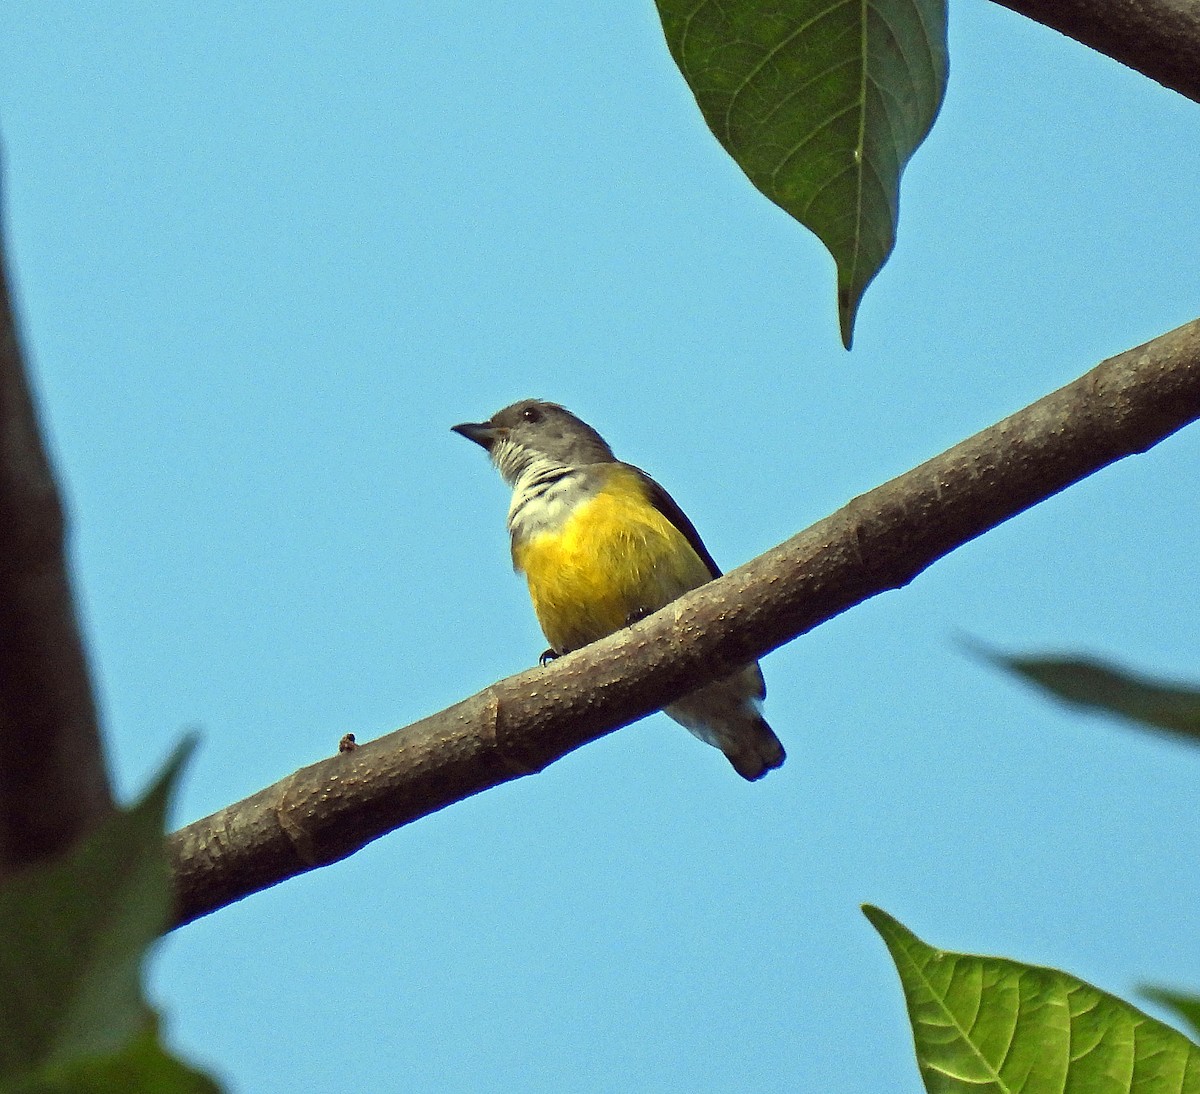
[(268, 254)]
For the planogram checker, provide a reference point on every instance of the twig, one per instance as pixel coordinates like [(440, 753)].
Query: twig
[(877, 542), (1158, 38)]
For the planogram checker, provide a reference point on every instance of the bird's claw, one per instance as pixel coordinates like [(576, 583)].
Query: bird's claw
[(548, 656)]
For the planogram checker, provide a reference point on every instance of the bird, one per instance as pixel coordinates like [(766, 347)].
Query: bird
[(601, 546)]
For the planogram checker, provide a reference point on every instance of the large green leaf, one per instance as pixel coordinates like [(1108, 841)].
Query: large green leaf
[(994, 1026), (73, 934), (1112, 690), (821, 104), (1185, 1004), (141, 1067)]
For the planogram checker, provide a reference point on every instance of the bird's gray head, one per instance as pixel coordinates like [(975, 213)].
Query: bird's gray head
[(533, 432)]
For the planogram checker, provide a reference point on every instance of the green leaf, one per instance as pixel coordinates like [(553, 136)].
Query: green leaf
[(1187, 1006), (822, 105), (142, 1067), (988, 1024), (74, 935), (1111, 690)]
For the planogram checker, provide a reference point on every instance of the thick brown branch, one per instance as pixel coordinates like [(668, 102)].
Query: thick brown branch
[(1159, 38), (53, 782), (879, 541)]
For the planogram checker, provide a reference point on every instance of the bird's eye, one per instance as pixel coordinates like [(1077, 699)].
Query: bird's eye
[(531, 414)]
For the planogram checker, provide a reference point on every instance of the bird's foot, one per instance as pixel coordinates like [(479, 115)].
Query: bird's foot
[(636, 616), (548, 656)]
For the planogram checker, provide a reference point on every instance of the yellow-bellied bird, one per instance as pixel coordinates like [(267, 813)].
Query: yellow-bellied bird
[(602, 545)]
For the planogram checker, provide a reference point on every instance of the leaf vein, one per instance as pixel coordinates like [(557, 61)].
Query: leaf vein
[(773, 52)]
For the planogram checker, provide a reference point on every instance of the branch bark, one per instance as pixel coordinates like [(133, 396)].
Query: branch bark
[(1158, 38), (879, 541), (53, 781)]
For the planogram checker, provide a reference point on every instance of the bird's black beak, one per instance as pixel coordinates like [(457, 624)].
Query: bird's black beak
[(482, 433)]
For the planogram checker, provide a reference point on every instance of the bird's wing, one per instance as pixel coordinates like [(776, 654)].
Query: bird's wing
[(665, 504)]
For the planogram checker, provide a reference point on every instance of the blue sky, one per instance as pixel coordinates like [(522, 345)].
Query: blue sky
[(266, 258)]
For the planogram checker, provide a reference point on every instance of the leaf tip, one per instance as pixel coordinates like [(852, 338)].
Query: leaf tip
[(155, 799), (980, 651), (877, 917), (847, 313)]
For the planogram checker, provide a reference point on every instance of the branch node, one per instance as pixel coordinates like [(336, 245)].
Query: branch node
[(298, 836), (501, 744)]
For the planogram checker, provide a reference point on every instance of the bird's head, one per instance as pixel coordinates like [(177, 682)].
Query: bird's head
[(532, 433)]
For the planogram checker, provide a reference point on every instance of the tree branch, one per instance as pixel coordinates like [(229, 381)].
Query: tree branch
[(1158, 38), (877, 542), (53, 782)]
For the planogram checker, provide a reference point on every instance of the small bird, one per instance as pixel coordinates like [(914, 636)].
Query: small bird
[(602, 545)]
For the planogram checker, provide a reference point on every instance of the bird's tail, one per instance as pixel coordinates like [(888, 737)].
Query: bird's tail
[(727, 714), (755, 751)]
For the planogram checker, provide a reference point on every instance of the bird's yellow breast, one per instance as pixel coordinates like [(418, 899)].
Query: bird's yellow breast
[(613, 558)]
